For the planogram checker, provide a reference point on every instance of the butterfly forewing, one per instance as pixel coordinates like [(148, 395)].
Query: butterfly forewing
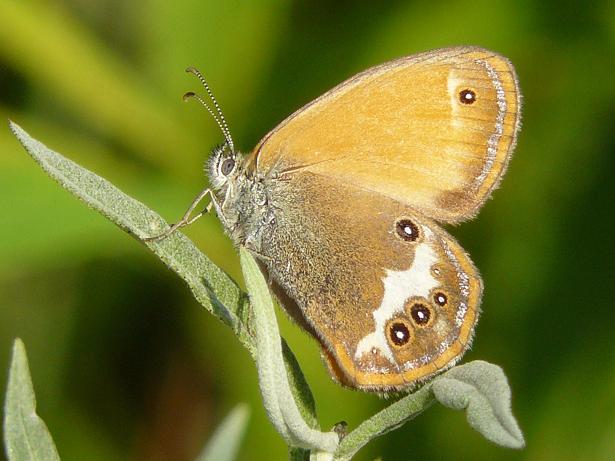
[(434, 130)]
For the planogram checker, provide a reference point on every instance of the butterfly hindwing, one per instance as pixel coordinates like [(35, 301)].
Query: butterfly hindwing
[(391, 297)]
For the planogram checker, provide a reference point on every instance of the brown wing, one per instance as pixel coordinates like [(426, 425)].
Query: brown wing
[(434, 130), (391, 297)]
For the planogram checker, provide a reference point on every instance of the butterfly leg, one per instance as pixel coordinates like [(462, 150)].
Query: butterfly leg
[(186, 220)]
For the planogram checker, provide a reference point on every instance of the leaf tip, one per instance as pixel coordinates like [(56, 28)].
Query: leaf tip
[(17, 131), (517, 441), (13, 126), (19, 349), (482, 390)]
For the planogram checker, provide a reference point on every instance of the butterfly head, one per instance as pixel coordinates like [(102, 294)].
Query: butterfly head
[(225, 164), (223, 167)]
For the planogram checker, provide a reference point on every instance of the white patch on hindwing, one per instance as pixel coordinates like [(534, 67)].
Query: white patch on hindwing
[(399, 286)]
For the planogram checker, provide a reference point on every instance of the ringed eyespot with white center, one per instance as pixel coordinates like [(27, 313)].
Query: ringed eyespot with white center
[(399, 333), (227, 167), (420, 314), (440, 298), (467, 96), (407, 230)]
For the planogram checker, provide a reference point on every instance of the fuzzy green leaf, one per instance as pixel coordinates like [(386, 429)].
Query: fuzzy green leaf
[(25, 435), (482, 389), (479, 386), (210, 285), (225, 441), (278, 398)]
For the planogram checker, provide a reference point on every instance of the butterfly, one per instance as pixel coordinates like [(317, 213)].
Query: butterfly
[(342, 205)]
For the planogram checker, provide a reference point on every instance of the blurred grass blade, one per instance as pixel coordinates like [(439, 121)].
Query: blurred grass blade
[(210, 285), (226, 440), (481, 388), (71, 65), (278, 398), (218, 53), (25, 435)]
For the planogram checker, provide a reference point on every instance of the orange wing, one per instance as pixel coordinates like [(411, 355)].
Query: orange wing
[(433, 130)]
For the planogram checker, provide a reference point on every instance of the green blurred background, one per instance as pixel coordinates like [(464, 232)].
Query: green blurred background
[(127, 366)]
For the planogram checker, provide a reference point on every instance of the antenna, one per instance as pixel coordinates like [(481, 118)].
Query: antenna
[(189, 95), (220, 120)]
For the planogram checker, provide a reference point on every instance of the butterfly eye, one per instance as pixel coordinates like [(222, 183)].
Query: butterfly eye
[(399, 333), (227, 167), (420, 314), (467, 96), (440, 299), (407, 230)]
